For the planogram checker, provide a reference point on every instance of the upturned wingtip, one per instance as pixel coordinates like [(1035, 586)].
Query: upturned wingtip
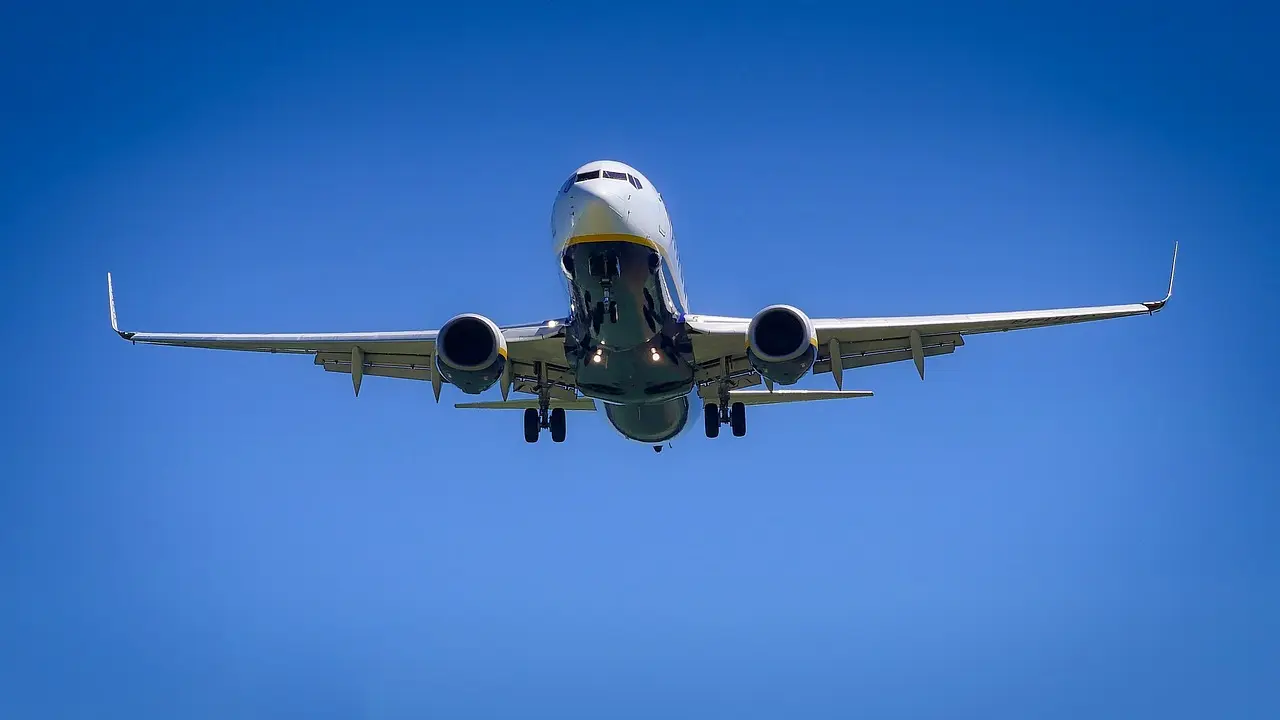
[(1173, 269), (111, 303)]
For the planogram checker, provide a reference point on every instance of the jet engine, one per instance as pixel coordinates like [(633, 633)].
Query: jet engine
[(471, 353), (781, 343)]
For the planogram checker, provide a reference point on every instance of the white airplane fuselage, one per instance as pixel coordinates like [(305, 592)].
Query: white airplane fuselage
[(626, 338)]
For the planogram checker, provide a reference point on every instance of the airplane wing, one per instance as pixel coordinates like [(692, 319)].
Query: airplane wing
[(404, 354), (718, 342)]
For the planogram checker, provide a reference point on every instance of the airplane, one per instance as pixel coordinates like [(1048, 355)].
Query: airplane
[(630, 344)]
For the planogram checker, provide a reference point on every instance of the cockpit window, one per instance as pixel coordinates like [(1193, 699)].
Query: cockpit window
[(607, 174)]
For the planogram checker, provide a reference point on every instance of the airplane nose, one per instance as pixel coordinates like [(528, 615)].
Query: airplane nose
[(597, 209)]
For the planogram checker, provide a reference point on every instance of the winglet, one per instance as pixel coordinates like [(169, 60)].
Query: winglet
[(1157, 305), (111, 301)]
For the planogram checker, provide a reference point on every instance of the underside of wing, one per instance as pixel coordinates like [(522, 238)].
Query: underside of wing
[(721, 343), (532, 356)]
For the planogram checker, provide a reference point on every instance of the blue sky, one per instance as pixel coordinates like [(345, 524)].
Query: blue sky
[(1059, 523)]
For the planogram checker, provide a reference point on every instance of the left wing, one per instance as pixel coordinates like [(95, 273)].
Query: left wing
[(403, 354), (857, 342)]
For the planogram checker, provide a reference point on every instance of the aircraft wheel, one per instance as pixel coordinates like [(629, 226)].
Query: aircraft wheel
[(557, 425), (738, 419), (613, 312), (711, 419), (597, 316), (531, 425)]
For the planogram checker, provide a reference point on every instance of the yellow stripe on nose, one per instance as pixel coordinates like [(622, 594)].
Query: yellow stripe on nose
[(612, 237)]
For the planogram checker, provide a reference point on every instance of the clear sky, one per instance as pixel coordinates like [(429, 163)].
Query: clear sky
[(1071, 522)]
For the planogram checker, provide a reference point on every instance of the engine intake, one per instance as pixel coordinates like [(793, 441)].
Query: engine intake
[(781, 343), (471, 353)]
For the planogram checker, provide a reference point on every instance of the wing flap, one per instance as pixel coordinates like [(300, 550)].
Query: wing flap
[(856, 355), (406, 367), (583, 404), (778, 397)]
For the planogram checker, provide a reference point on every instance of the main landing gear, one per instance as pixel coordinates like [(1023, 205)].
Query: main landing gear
[(534, 423), (543, 416), (713, 416)]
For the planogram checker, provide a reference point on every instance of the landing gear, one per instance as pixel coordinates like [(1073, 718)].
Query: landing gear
[(605, 267), (604, 309), (544, 416), (716, 414), (557, 425), (711, 419), (531, 425)]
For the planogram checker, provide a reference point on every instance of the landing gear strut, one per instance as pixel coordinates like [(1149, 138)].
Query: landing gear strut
[(544, 416), (605, 267)]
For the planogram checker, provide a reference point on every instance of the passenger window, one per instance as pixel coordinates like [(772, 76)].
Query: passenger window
[(612, 175), (589, 175), (635, 181)]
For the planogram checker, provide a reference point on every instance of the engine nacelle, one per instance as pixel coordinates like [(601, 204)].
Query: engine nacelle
[(471, 353), (781, 343)]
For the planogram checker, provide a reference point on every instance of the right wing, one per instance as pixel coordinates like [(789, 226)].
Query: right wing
[(403, 354), (719, 342)]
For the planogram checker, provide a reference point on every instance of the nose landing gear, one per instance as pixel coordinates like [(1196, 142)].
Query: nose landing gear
[(605, 267)]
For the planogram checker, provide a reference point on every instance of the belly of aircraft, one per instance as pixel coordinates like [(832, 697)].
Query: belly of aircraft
[(624, 333)]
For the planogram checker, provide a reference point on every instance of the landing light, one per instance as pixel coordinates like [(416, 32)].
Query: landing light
[(597, 359)]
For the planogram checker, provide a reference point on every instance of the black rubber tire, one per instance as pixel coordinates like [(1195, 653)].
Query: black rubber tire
[(738, 419), (711, 419), (613, 312), (557, 425), (531, 423), (597, 317)]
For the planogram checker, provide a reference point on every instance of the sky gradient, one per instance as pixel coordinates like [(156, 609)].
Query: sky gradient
[(1070, 522)]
